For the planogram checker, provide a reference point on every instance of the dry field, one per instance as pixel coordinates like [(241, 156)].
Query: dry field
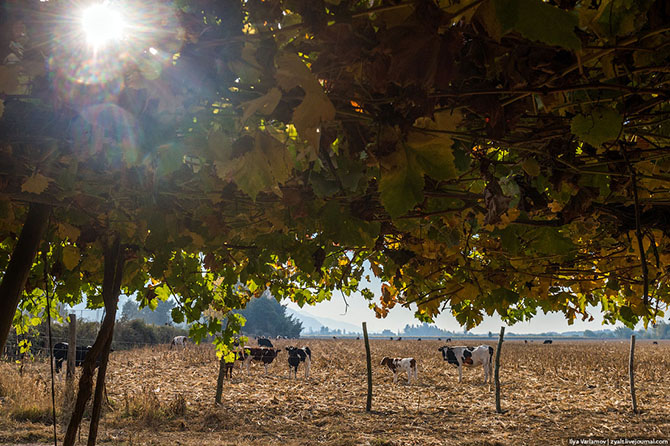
[(550, 393)]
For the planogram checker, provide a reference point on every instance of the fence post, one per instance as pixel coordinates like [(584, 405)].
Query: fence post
[(219, 381), (497, 369), (631, 372), (368, 359), (71, 355)]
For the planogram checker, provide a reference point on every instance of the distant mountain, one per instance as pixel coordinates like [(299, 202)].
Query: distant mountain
[(315, 323)]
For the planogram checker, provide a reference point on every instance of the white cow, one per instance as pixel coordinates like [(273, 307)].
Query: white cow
[(179, 341), (402, 364), (470, 356)]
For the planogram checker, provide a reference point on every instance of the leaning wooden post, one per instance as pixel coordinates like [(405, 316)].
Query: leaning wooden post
[(71, 355), (497, 369), (219, 381), (631, 372), (368, 359)]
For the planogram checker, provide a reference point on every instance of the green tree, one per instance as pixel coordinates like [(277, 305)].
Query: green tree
[(267, 317)]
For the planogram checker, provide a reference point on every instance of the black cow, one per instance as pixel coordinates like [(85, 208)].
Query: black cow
[(295, 357), (264, 342), (547, 341), (260, 354), (60, 355)]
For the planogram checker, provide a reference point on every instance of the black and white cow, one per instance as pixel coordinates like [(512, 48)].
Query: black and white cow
[(470, 356), (60, 354), (179, 341), (260, 354), (264, 342), (295, 357), (401, 364), (548, 341)]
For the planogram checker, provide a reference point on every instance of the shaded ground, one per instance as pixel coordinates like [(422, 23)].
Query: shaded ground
[(550, 393)]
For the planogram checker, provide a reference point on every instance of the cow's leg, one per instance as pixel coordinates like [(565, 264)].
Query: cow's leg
[(266, 368), (486, 372), (409, 376), (395, 377), (307, 367), (247, 364), (460, 373)]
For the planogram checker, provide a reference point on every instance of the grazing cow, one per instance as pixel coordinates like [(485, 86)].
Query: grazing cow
[(260, 354), (470, 356), (655, 342), (419, 339), (548, 341), (179, 341), (60, 350), (525, 341), (264, 342), (295, 357), (447, 340), (401, 364), (228, 370)]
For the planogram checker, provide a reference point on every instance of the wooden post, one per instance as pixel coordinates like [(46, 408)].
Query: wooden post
[(368, 359), (219, 381), (497, 370), (71, 355), (631, 372)]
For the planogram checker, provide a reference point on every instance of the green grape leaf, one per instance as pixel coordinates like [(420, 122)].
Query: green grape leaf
[(401, 183), (535, 20), (600, 126)]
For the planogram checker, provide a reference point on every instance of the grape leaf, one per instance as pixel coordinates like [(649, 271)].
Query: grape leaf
[(536, 21), (264, 105), (600, 126), (263, 167), (36, 184), (401, 183), (70, 257)]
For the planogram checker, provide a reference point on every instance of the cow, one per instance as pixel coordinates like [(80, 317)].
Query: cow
[(447, 340), (60, 350), (264, 342), (548, 341), (655, 342), (407, 365), (179, 341), (295, 357), (470, 356), (260, 354)]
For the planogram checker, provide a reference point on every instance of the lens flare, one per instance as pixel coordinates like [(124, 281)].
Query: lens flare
[(102, 25)]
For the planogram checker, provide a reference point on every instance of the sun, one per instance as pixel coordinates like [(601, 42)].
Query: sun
[(102, 25)]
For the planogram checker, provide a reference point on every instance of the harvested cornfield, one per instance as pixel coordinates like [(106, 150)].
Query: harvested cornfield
[(550, 393)]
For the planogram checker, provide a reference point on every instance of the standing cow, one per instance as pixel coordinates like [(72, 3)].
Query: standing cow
[(295, 357), (60, 350), (470, 356)]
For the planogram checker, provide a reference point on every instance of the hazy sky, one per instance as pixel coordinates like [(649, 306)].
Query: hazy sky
[(398, 317)]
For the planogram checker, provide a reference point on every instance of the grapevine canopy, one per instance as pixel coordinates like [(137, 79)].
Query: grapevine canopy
[(485, 156)]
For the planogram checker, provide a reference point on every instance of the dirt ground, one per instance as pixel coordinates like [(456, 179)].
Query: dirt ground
[(550, 394)]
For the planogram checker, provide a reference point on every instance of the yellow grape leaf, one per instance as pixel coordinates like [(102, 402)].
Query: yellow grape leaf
[(36, 184), (70, 257), (315, 107), (66, 230), (264, 105)]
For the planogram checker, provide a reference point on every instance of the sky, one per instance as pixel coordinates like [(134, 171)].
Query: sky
[(398, 317)]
